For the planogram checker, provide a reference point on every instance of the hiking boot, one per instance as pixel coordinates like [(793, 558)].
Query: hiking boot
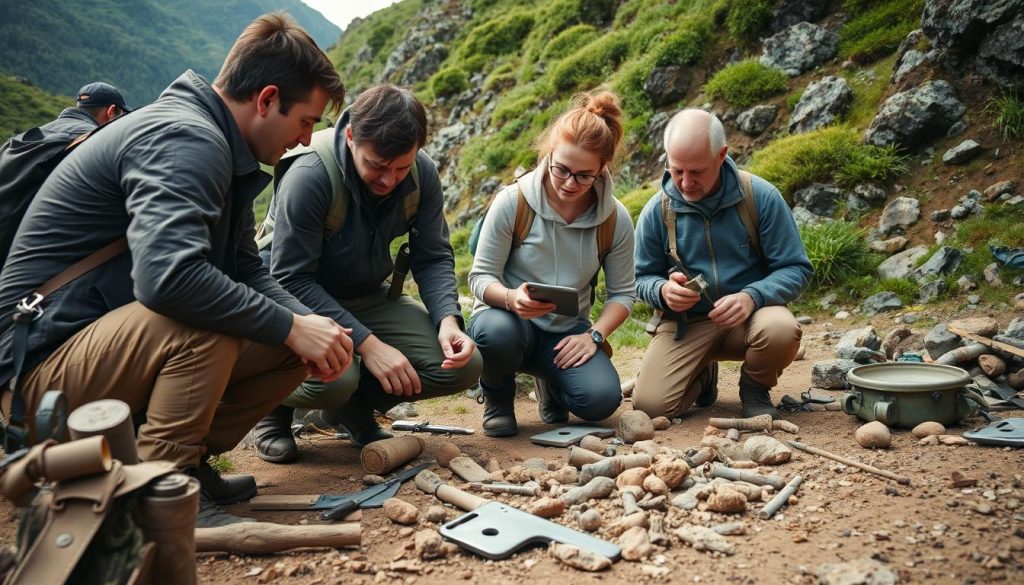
[(273, 436), (549, 409), (499, 413), (708, 381), (223, 489), (755, 398), (211, 515), (355, 418)]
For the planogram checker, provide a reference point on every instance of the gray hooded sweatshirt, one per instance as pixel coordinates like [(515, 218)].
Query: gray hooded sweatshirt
[(554, 252)]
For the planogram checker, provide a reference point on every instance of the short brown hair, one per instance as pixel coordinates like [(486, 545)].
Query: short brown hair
[(389, 118), (592, 122), (275, 50)]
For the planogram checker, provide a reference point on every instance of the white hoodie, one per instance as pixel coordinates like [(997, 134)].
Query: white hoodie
[(554, 252)]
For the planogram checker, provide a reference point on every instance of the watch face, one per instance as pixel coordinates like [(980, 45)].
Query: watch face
[(597, 337)]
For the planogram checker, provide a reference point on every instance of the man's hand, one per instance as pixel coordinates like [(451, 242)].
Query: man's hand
[(677, 297), (324, 376), (321, 342), (455, 344), (394, 372), (731, 310), (527, 308), (574, 350)]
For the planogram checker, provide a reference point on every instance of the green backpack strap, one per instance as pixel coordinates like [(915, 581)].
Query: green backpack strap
[(747, 210)]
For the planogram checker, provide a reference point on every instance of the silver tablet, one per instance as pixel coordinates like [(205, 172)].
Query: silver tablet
[(565, 299)]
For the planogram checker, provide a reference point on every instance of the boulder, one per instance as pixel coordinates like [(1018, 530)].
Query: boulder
[(939, 341), (944, 261), (989, 33), (790, 12), (910, 118), (757, 119), (424, 64), (819, 198), (822, 103), (444, 141), (900, 265), (831, 374), (799, 48), (898, 215), (962, 152), (909, 56), (864, 197), (862, 337), (881, 302), (667, 85), (1015, 329), (655, 130), (984, 326)]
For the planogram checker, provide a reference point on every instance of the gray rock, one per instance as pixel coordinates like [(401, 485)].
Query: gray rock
[(931, 290), (862, 337), (939, 341), (940, 215), (989, 33), (900, 265), (402, 411), (804, 216), (826, 301), (957, 129), (799, 48), (864, 197), (790, 12), (831, 374), (757, 119), (898, 215), (881, 302), (966, 283), (818, 198), (944, 261), (861, 355), (655, 131), (821, 104), (890, 246), (974, 299), (965, 208), (667, 85), (909, 57), (1001, 54), (425, 63), (804, 319), (991, 274), (444, 142), (1015, 329), (962, 152), (909, 119), (856, 572), (996, 190)]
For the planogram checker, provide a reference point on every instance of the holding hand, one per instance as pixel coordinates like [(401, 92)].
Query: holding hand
[(321, 343), (394, 372), (455, 344), (574, 350), (676, 296), (521, 304), (731, 310)]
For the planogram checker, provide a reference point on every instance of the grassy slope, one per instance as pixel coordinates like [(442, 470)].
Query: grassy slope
[(24, 106)]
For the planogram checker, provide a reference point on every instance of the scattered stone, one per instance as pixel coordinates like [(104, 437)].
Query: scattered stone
[(992, 365), (436, 515), (831, 374), (372, 479), (913, 117), (898, 215), (635, 425), (590, 520), (873, 435), (667, 85), (400, 511), (660, 423), (939, 341), (881, 302), (673, 472), (547, 507), (944, 261), (974, 299), (931, 290), (961, 481), (953, 440), (804, 319), (634, 476), (799, 48), (856, 572), (731, 529), (636, 544), (757, 119), (704, 539), (927, 429), (861, 337), (819, 198), (864, 197), (727, 500), (1015, 329), (402, 411), (996, 190), (578, 558), (983, 508), (446, 452), (940, 215), (984, 326), (823, 102), (429, 544), (890, 246), (962, 152), (842, 315), (902, 264), (893, 340), (766, 450), (909, 58), (655, 485)]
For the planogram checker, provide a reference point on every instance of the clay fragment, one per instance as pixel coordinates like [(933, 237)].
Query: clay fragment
[(400, 511), (962, 481), (446, 452), (578, 558), (636, 544), (547, 507), (635, 425), (672, 472), (704, 539), (873, 435), (927, 429), (726, 500)]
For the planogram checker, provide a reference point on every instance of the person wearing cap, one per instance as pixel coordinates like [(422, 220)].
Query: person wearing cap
[(101, 101)]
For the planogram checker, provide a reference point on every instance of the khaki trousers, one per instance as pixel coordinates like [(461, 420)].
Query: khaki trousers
[(766, 344), (200, 391)]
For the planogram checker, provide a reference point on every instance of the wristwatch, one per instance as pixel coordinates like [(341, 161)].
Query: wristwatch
[(596, 336)]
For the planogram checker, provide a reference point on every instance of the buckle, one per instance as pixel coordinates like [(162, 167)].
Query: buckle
[(30, 306)]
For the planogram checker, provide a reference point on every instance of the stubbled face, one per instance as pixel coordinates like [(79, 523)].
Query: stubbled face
[(694, 169), (576, 160), (273, 133), (380, 175)]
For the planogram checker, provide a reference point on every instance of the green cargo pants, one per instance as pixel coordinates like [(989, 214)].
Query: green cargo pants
[(404, 324)]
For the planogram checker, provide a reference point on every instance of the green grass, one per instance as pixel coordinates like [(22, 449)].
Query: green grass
[(449, 81), (635, 200), (869, 86), (222, 463), (569, 41), (746, 83), (590, 64), (747, 19), (827, 154), (1008, 111), (879, 30), (837, 250), (630, 334), (26, 106), (498, 36)]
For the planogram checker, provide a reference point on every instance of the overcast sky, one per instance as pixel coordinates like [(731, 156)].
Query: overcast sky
[(341, 12)]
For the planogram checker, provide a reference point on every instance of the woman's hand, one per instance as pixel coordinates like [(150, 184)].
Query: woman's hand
[(519, 301), (574, 350)]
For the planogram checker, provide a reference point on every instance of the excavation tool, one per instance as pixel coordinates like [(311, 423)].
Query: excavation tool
[(495, 531), (413, 426), (570, 435), (330, 501), (846, 461)]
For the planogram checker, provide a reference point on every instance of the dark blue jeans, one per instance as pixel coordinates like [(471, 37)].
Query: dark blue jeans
[(509, 344)]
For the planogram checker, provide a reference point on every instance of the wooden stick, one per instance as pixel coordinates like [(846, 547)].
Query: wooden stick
[(986, 341), (429, 482), (259, 538), (869, 468), (780, 499)]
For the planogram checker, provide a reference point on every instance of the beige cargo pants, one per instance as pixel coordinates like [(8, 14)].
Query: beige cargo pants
[(201, 391), (766, 344)]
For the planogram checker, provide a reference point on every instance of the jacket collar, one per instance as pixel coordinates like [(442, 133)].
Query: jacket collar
[(730, 178), (78, 114)]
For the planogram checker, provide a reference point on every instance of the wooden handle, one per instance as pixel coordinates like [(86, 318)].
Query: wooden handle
[(852, 463), (264, 537), (458, 498)]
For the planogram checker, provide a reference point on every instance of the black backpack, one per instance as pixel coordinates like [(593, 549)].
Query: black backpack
[(37, 153)]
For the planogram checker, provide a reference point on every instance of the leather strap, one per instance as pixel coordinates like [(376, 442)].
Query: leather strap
[(83, 266)]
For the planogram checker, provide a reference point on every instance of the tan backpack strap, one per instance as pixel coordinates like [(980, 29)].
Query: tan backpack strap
[(669, 217), (606, 236), (523, 221), (748, 212)]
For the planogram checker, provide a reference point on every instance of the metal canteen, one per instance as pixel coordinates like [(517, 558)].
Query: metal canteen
[(905, 394)]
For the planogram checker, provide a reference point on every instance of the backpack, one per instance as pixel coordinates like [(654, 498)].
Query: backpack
[(39, 154), (322, 143)]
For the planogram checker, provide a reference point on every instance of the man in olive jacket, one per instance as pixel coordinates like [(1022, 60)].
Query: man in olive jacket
[(187, 327)]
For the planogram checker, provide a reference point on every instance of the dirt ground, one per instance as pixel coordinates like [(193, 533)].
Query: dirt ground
[(927, 532)]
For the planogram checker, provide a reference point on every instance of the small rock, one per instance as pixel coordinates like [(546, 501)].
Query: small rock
[(890, 246), (927, 429), (654, 485), (996, 190), (635, 425), (831, 374), (590, 520), (961, 481), (547, 507), (636, 544), (436, 514), (660, 423), (727, 501), (984, 326), (940, 215), (873, 435), (429, 544), (766, 450), (446, 452), (402, 411), (804, 319), (962, 152), (842, 315), (672, 472), (704, 539), (372, 479), (400, 511), (953, 440), (858, 571), (983, 508), (940, 341), (881, 302)]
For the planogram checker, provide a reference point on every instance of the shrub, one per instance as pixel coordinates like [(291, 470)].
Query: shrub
[(448, 82), (685, 47), (879, 30), (503, 77), (747, 19), (745, 83), (630, 87), (498, 36), (569, 41), (823, 155), (1008, 110), (837, 250), (590, 64), (635, 201), (511, 109)]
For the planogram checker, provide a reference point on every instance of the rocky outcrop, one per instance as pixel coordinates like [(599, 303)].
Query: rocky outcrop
[(819, 198), (900, 265), (898, 215), (864, 197), (757, 119), (944, 261), (912, 55), (799, 48), (989, 33), (790, 12), (913, 117), (666, 85), (423, 48), (821, 104)]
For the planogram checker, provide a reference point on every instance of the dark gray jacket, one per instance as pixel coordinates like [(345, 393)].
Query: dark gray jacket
[(177, 178), (356, 259), (25, 162)]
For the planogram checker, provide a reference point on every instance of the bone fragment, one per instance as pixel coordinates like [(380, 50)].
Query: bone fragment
[(629, 496), (718, 470), (780, 498), (636, 544), (596, 488), (592, 443), (626, 522), (965, 353), (655, 503), (578, 457), (655, 485), (730, 529), (732, 434), (634, 476), (578, 558), (656, 531), (762, 422), (704, 539), (613, 466), (700, 457), (530, 488), (648, 447)]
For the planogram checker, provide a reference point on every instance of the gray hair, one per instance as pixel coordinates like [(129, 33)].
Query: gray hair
[(716, 131)]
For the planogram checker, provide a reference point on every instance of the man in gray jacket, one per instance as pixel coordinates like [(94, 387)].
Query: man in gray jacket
[(407, 351), (186, 326)]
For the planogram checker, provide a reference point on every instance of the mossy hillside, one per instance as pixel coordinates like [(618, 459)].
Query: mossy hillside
[(26, 106), (877, 27)]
